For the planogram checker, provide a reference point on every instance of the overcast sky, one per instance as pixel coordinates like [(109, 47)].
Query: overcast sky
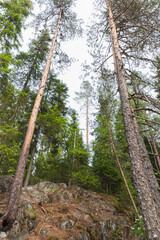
[(78, 49)]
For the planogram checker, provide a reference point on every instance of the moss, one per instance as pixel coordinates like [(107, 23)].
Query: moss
[(52, 238), (32, 214), (117, 234), (52, 190), (81, 227)]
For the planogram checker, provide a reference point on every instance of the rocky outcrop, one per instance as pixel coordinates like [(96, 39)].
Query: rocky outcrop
[(49, 211), (5, 183)]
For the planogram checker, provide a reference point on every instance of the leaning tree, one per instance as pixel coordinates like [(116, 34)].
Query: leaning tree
[(58, 14)]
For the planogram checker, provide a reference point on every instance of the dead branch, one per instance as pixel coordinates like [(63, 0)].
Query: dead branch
[(123, 10)]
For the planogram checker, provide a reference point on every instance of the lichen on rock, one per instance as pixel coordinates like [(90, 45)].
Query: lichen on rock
[(49, 211)]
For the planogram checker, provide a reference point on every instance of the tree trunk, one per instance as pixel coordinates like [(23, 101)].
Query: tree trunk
[(9, 217), (31, 160), (148, 168), (87, 141), (142, 184), (120, 168), (24, 87), (153, 141)]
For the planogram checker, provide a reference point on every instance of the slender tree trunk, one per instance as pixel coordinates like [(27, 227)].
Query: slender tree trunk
[(31, 160), (153, 141), (87, 139), (24, 87), (74, 146), (28, 77), (9, 217), (153, 154), (119, 165), (148, 168), (142, 184), (69, 168)]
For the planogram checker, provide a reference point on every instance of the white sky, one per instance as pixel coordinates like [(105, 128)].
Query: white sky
[(77, 48)]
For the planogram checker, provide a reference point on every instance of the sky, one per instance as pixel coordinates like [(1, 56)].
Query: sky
[(77, 49)]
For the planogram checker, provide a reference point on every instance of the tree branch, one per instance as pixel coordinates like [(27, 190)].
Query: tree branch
[(147, 120), (146, 109), (123, 11)]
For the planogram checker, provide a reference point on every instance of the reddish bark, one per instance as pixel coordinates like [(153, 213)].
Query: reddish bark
[(141, 181), (87, 141), (153, 141)]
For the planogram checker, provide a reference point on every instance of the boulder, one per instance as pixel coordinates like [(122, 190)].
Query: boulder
[(5, 183), (51, 211)]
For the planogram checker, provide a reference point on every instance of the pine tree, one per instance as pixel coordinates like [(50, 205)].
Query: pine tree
[(9, 217), (85, 95), (134, 141)]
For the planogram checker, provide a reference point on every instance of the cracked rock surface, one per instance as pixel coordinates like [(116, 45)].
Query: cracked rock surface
[(49, 211)]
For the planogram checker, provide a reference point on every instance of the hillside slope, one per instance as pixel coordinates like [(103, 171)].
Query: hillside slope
[(49, 211)]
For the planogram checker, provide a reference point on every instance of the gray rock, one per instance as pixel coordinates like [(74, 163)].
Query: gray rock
[(5, 183), (67, 197), (93, 214), (85, 236), (67, 224), (43, 232), (104, 231), (3, 235), (24, 222)]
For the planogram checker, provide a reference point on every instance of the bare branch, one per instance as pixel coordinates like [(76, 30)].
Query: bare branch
[(147, 120), (123, 10), (148, 99), (104, 61), (146, 109)]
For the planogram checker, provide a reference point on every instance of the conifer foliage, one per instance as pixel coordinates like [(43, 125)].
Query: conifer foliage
[(123, 159), (11, 211)]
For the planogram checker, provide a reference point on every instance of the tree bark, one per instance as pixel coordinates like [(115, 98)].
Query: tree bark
[(141, 182), (87, 141), (121, 170), (9, 217), (148, 168), (153, 141)]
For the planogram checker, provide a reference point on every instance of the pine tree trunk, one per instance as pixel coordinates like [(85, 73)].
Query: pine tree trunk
[(153, 141), (120, 168), (148, 168), (141, 182), (87, 141), (9, 217)]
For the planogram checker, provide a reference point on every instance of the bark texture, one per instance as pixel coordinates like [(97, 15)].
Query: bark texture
[(141, 182), (148, 168), (153, 141), (9, 217), (121, 170), (87, 139)]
